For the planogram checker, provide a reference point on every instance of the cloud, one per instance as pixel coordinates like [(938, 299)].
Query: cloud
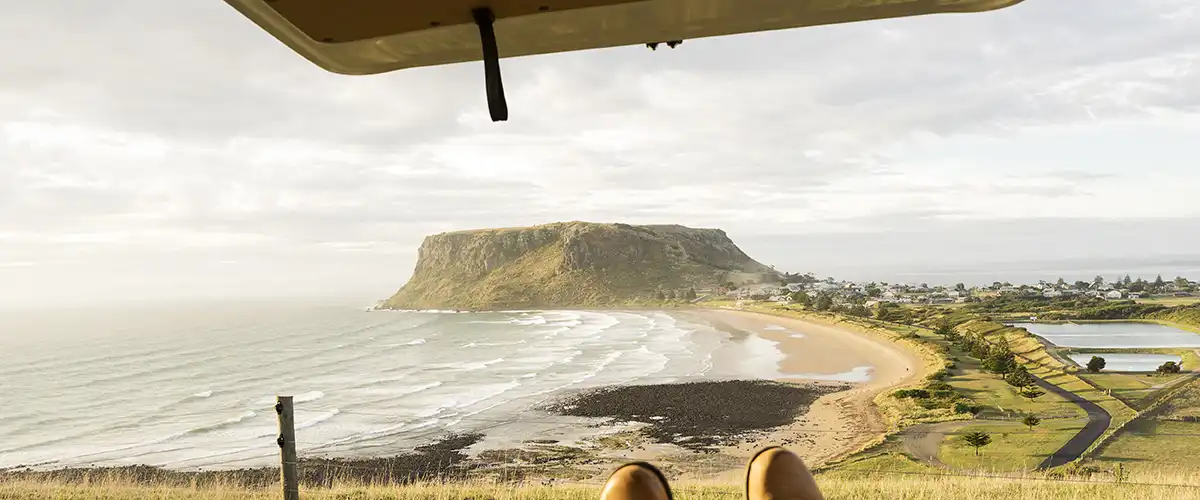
[(148, 127)]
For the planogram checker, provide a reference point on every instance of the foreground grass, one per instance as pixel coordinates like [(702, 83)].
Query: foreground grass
[(836, 486)]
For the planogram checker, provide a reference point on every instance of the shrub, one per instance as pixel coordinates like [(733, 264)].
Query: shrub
[(1168, 368), (911, 393), (938, 385), (964, 407)]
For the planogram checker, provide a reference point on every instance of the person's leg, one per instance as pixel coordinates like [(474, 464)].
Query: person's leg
[(636, 481), (778, 474)]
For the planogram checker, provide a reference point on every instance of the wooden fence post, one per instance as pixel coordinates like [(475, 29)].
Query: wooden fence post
[(287, 448)]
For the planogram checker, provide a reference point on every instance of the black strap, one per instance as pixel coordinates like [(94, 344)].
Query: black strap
[(497, 105)]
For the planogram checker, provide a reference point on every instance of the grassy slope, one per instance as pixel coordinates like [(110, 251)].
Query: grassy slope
[(1160, 439), (835, 486), (1034, 354), (1136, 390), (996, 397), (1142, 447)]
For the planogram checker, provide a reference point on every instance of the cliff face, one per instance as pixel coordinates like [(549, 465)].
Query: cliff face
[(570, 264)]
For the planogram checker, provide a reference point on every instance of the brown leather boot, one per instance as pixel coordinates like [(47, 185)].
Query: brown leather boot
[(636, 481), (778, 474)]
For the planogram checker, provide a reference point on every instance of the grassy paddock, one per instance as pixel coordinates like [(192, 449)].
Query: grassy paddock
[(1170, 301), (836, 486), (1149, 444)]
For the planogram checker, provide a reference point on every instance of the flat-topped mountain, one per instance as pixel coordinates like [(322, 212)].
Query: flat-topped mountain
[(571, 264)]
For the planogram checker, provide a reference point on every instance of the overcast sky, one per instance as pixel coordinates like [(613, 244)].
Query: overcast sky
[(153, 149)]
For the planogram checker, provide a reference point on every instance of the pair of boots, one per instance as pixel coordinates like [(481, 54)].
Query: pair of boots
[(773, 474)]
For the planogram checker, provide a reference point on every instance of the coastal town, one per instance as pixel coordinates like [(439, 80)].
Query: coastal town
[(807, 288)]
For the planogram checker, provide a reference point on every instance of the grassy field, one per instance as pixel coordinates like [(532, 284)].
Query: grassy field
[(1170, 301), (1135, 389), (1151, 444), (835, 486), (1161, 439), (1014, 447)]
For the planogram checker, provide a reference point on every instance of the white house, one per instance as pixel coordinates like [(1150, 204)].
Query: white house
[(1051, 293), (1114, 295)]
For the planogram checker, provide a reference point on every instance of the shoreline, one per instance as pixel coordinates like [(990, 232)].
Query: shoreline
[(841, 413), (851, 411)]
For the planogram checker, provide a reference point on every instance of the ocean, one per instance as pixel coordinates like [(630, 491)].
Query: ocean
[(193, 387)]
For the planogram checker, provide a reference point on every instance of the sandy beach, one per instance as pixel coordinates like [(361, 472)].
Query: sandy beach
[(841, 422)]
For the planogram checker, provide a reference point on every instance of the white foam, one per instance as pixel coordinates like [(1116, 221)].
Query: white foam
[(796, 335), (774, 328), (323, 417), (302, 398), (533, 320), (858, 374), (204, 394)]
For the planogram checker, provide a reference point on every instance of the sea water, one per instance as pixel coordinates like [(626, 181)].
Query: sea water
[(193, 387)]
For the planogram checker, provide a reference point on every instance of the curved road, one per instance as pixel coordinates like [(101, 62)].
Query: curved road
[(1098, 422), (922, 441)]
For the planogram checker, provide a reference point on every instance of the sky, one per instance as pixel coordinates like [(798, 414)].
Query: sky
[(162, 150)]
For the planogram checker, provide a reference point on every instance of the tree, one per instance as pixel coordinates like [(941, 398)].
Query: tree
[(659, 295), (977, 440), (1096, 364), (670, 294), (1031, 392), (859, 310), (1168, 368), (824, 302), (690, 294), (960, 287), (944, 328), (1000, 358), (1081, 285), (802, 298), (1019, 377), (873, 291), (1126, 280), (1182, 283), (1159, 283), (1061, 282), (1031, 421), (1097, 281)]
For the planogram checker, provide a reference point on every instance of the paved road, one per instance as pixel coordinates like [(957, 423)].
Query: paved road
[(923, 441), (1098, 422)]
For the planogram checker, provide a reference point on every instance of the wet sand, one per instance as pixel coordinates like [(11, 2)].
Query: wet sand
[(839, 423)]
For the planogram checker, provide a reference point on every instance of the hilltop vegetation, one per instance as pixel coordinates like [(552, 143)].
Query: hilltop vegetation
[(573, 264)]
